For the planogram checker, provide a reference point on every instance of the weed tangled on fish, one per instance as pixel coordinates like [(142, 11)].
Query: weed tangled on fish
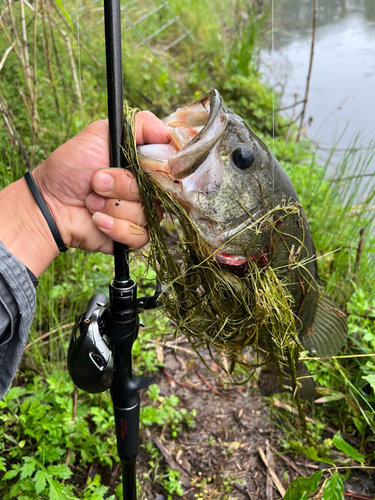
[(243, 269)]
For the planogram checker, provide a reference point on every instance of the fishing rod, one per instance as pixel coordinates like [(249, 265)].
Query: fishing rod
[(100, 351)]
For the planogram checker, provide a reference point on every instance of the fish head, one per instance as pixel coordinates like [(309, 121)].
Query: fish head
[(223, 174)]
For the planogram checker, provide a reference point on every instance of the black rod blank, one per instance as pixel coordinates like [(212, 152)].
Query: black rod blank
[(112, 24)]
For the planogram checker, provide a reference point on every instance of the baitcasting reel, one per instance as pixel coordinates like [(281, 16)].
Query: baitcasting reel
[(90, 357), (90, 360)]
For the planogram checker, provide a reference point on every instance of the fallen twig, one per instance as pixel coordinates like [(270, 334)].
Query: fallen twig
[(213, 388), (272, 473), (172, 345), (164, 372), (243, 489), (289, 408), (167, 454), (288, 461), (269, 480), (353, 495), (308, 466)]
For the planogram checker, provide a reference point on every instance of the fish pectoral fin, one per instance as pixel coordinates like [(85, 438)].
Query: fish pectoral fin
[(329, 330)]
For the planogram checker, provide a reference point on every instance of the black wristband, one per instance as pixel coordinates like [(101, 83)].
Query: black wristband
[(45, 211)]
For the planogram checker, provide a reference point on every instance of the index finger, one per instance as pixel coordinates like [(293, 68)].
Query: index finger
[(115, 183)]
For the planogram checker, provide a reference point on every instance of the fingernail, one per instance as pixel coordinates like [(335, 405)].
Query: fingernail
[(94, 202), (103, 182), (102, 221)]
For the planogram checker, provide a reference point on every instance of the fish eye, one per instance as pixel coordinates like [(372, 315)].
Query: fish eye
[(243, 158)]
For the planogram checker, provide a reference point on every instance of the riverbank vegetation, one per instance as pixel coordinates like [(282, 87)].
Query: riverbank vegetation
[(53, 83)]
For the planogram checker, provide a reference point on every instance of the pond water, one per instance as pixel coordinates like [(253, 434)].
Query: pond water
[(342, 86)]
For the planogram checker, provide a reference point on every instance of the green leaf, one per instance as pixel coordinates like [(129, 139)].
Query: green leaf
[(65, 12), (61, 471), (29, 467), (371, 380), (14, 393), (15, 490), (53, 490), (334, 488), (330, 395), (302, 487), (2, 464), (12, 473), (173, 400), (40, 480), (52, 453), (342, 445), (359, 425), (310, 453)]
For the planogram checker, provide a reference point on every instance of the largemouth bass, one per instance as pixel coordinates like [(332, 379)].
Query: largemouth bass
[(245, 206)]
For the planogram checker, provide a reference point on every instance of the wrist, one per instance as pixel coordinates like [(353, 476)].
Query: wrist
[(44, 178), (23, 230), (45, 211)]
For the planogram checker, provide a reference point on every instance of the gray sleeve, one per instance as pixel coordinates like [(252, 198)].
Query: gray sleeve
[(17, 307)]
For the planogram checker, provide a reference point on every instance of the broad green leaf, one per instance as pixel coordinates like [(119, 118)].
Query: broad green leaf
[(334, 488), (2, 464), (342, 445), (29, 467), (302, 487), (65, 12), (40, 480), (310, 453)]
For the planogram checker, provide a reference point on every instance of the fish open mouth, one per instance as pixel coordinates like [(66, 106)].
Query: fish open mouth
[(194, 130)]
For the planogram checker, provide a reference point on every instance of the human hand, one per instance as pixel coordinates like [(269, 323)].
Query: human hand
[(76, 182), (92, 204)]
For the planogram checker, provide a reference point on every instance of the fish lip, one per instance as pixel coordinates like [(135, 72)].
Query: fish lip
[(230, 260), (216, 103)]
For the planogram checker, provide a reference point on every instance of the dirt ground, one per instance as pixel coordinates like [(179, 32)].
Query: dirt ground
[(235, 445)]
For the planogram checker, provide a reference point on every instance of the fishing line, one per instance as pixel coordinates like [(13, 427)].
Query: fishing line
[(273, 91), (86, 265), (79, 64)]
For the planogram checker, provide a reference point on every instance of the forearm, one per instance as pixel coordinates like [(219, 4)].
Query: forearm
[(23, 229)]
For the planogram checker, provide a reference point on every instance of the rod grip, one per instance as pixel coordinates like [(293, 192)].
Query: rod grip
[(127, 430)]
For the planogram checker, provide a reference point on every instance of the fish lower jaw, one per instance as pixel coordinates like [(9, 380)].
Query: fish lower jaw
[(230, 260)]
